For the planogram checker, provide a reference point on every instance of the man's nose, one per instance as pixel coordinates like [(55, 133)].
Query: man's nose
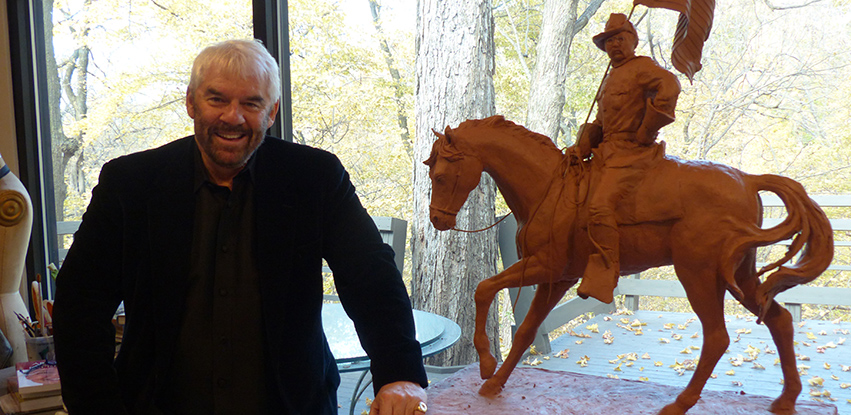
[(233, 114)]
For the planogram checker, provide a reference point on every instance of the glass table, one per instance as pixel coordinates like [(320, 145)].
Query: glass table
[(435, 334)]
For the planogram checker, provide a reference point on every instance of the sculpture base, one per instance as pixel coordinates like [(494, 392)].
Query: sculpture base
[(541, 391)]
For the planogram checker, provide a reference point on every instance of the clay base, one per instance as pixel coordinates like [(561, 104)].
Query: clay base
[(541, 391)]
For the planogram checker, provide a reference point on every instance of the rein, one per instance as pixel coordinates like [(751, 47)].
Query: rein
[(483, 229)]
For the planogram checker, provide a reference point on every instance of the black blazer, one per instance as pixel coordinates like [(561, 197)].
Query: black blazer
[(134, 246)]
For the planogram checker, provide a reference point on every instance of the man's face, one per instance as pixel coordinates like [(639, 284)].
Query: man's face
[(231, 118), (620, 47)]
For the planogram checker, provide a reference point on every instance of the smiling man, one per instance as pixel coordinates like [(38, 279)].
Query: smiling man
[(215, 243), (637, 98)]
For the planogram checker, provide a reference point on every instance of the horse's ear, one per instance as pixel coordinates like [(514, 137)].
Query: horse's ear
[(439, 135), (446, 132)]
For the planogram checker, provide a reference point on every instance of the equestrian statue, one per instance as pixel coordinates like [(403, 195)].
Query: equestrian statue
[(614, 204)]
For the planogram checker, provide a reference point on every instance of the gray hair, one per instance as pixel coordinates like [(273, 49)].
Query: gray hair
[(242, 58)]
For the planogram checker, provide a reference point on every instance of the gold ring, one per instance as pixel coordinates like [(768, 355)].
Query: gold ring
[(422, 407)]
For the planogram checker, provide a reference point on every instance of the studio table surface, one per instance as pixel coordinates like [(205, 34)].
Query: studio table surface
[(540, 391)]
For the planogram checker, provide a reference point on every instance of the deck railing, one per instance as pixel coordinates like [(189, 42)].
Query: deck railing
[(837, 207)]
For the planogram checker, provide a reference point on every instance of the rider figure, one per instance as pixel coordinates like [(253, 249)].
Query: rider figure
[(636, 99)]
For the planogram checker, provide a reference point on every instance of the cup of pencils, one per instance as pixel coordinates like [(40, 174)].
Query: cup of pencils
[(40, 348), (39, 337)]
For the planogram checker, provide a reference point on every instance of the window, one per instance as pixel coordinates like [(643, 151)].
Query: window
[(110, 79)]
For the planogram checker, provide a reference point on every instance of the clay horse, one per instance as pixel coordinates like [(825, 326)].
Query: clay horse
[(703, 218)]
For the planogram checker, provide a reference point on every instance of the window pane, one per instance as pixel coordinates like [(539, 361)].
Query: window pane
[(352, 91), (117, 72)]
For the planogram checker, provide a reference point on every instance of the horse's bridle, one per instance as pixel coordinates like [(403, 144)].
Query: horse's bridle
[(446, 211)]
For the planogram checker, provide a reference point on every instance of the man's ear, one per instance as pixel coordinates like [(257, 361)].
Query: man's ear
[(190, 105), (273, 112)]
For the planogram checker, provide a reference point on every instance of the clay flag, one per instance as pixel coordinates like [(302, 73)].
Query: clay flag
[(693, 29)]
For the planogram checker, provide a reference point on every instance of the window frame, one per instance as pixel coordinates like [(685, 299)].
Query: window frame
[(27, 51)]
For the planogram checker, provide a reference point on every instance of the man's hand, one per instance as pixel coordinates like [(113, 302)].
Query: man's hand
[(399, 398), (589, 136)]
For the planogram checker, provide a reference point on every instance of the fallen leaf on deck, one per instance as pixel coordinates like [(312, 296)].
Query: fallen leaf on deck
[(736, 361)]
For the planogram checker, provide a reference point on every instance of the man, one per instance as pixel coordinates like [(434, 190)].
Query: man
[(214, 242), (637, 98)]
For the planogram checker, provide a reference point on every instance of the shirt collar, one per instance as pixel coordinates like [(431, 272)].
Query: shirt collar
[(201, 175), (624, 62)]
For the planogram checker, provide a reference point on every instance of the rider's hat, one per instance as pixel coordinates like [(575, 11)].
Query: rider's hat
[(617, 23)]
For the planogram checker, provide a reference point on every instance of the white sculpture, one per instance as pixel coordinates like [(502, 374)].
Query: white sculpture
[(15, 227)]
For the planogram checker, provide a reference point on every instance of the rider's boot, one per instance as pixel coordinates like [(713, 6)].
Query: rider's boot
[(601, 273)]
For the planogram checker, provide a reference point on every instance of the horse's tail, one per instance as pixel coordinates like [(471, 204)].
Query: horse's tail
[(812, 237)]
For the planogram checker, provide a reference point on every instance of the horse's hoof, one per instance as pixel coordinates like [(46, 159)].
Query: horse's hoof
[(490, 389), (672, 409), (782, 406), (487, 366)]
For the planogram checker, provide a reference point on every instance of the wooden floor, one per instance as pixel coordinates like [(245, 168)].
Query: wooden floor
[(668, 343)]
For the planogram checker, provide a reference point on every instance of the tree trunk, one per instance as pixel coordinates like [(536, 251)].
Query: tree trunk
[(64, 148), (546, 91), (454, 68), (399, 93)]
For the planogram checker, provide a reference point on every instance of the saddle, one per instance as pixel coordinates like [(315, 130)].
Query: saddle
[(655, 198)]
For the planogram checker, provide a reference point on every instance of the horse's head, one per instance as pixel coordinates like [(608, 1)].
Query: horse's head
[(453, 175)]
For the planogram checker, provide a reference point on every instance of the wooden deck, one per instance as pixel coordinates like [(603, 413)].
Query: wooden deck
[(668, 343)]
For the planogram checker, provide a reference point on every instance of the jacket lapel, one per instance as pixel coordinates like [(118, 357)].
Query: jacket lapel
[(170, 224)]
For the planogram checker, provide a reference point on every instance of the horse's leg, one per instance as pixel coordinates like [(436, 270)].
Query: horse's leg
[(527, 271), (706, 295), (546, 297), (779, 323)]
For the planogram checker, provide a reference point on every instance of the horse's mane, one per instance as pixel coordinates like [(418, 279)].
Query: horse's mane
[(499, 121), (451, 152)]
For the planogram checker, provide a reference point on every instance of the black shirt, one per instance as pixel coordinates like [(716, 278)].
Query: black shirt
[(219, 364)]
